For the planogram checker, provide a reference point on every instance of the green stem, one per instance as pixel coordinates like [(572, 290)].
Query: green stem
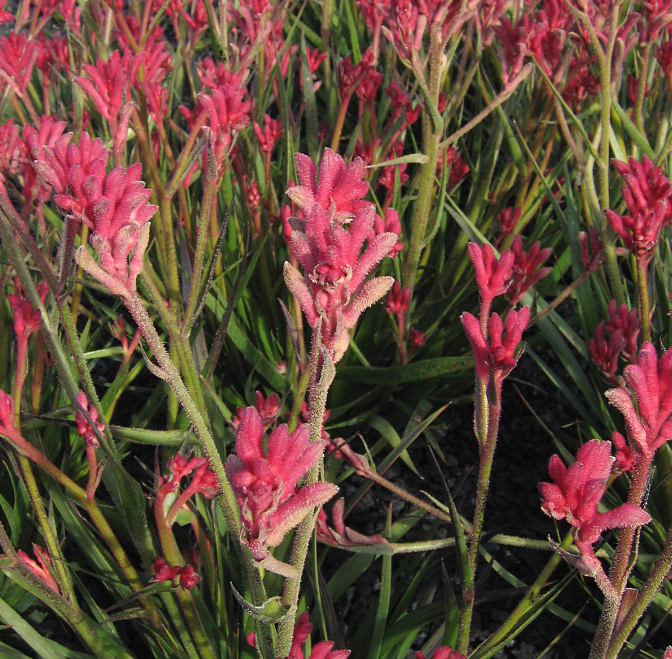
[(502, 632), (200, 647), (431, 137), (646, 594), (322, 374), (643, 290), (228, 504), (485, 468), (620, 564)]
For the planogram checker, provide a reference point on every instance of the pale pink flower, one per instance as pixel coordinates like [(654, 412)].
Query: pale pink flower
[(650, 379), (492, 275), (266, 482), (576, 492), (497, 356), (333, 290)]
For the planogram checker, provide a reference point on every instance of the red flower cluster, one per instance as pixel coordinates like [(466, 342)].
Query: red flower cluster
[(267, 408), (397, 299), (333, 291), (188, 577), (575, 494), (266, 482), (497, 356), (527, 270), (26, 319), (647, 193), (650, 379), (83, 426)]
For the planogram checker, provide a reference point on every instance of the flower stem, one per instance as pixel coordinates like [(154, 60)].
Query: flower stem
[(644, 304), (485, 467), (322, 374)]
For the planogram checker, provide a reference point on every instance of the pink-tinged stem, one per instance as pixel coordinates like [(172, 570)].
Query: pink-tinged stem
[(403, 357), (646, 594), (620, 565), (93, 472)]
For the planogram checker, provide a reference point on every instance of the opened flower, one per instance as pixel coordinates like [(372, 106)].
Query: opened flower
[(266, 482), (333, 290), (575, 494), (650, 379)]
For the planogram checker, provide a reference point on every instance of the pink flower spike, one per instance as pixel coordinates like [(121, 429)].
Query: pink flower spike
[(620, 319), (6, 412), (650, 379), (576, 492), (492, 275), (265, 483), (526, 269), (270, 134), (327, 244)]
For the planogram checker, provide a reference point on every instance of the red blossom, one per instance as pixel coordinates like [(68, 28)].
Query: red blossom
[(26, 319), (350, 75), (12, 150), (650, 379), (576, 492), (333, 290), (265, 482), (110, 83), (270, 134), (83, 426), (647, 193), (322, 650), (41, 571), (508, 218), (496, 356), (17, 57), (397, 299), (591, 247), (492, 275), (627, 322), (390, 224), (76, 172), (416, 337), (164, 572), (527, 270), (268, 409), (605, 353), (214, 75)]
